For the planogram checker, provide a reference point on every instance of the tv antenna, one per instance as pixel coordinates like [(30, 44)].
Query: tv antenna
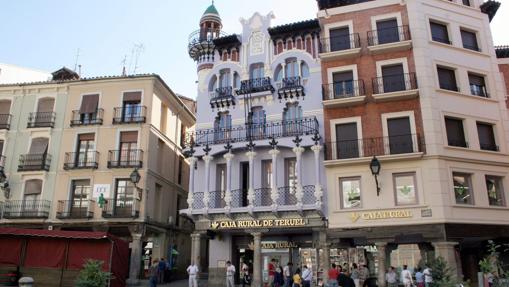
[(135, 55), (76, 59), (124, 61)]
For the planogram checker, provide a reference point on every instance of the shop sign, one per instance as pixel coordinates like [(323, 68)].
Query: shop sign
[(261, 223), (275, 245), (382, 214)]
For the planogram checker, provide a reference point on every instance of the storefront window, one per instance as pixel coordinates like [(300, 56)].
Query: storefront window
[(404, 183), (350, 192), (406, 254), (462, 188), (495, 190)]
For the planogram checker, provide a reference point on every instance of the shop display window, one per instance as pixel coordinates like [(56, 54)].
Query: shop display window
[(405, 188)]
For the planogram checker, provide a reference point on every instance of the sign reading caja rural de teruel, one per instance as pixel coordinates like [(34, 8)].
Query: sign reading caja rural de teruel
[(260, 223)]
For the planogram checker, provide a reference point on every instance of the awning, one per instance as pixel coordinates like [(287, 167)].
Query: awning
[(53, 233)]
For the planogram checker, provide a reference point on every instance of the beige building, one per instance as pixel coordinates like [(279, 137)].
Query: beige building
[(109, 128)]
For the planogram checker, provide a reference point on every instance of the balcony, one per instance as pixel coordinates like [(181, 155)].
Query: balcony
[(201, 42), (5, 121), (87, 119), (41, 120), (346, 93), (253, 86), (125, 158), (20, 209), (395, 87), (34, 162), (75, 209), (121, 208), (290, 88), (243, 133), (389, 40), (340, 47), (81, 160), (129, 115), (222, 98), (369, 147)]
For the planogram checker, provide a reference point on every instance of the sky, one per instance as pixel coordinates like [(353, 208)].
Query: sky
[(47, 34)]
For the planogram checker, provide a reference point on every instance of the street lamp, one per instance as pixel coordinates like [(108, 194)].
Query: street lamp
[(135, 178), (375, 166)]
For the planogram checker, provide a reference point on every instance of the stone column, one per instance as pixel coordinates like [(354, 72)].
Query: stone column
[(318, 186), (257, 259), (250, 192), (447, 250), (206, 191), (190, 194), (382, 259), (135, 260), (326, 265), (274, 194), (227, 193), (298, 174), (195, 249)]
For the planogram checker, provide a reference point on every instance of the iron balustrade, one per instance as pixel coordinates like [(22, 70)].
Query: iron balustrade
[(340, 43), (257, 85), (378, 146), (286, 195), (130, 114), (204, 35), (216, 199), (223, 92), (239, 198), (222, 97), (394, 83), (343, 90), (87, 119), (262, 197), (479, 90), (290, 87), (2, 162), (254, 131), (308, 194), (125, 158), (388, 35), (125, 207), (198, 200), (41, 120), (26, 209), (75, 209), (32, 162), (5, 121), (81, 160)]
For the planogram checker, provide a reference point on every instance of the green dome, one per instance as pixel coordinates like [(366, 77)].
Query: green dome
[(211, 10)]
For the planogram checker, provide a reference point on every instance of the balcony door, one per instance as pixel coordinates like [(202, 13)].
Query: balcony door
[(5, 111), (85, 150), (31, 197), (264, 197), (80, 192), (387, 31), (128, 149), (36, 157), (244, 184), (339, 39), (218, 196), (222, 126), (393, 78), (400, 135), (88, 109), (288, 195), (343, 84), (258, 122), (347, 141), (292, 115), (225, 79), (44, 114), (257, 71), (292, 68), (123, 200), (131, 107)]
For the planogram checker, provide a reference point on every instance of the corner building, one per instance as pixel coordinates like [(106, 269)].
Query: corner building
[(417, 85), (256, 189)]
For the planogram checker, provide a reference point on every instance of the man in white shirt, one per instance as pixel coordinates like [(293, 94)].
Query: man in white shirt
[(428, 279), (230, 273), (406, 277), (192, 270), (307, 276), (287, 272)]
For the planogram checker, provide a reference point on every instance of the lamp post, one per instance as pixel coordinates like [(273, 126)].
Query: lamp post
[(135, 178), (375, 166)]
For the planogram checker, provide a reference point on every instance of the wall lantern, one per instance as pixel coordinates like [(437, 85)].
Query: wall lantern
[(375, 166)]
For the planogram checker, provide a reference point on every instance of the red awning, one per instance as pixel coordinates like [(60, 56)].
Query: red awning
[(54, 233)]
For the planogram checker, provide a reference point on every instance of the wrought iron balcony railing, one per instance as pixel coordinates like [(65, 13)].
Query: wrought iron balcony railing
[(343, 90), (41, 120), (127, 207), (5, 121), (239, 198), (257, 85), (479, 90), (388, 35), (125, 158), (87, 119), (81, 160), (216, 199), (33, 162), (198, 200), (290, 87), (287, 195), (340, 43), (255, 131), (222, 97), (75, 209), (370, 147), (262, 197), (26, 209), (130, 114), (394, 83), (204, 35)]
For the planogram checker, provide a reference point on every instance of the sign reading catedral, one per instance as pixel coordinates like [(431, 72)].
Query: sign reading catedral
[(383, 214), (262, 223)]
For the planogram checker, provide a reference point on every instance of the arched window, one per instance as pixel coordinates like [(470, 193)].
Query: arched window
[(280, 47), (304, 70), (222, 126), (225, 56), (299, 43), (292, 112), (256, 71), (289, 44), (212, 83), (224, 78), (235, 55), (236, 80), (278, 74), (309, 45), (292, 68)]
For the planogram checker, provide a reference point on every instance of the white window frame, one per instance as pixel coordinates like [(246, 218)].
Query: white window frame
[(390, 62), (385, 128), (341, 24), (358, 121), (473, 180), (402, 174), (341, 195), (376, 18), (450, 35)]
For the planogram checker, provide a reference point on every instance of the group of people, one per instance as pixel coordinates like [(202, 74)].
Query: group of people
[(342, 277), (157, 272), (423, 278)]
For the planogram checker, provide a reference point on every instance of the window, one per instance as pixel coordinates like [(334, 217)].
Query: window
[(124, 196), (33, 189), (258, 122), (85, 150), (236, 80), (224, 78), (350, 192), (292, 68), (81, 190), (462, 188), (39, 146), (128, 147), (5, 109), (343, 84), (405, 188), (212, 83), (455, 132), (477, 85), (439, 33), (290, 172), (347, 141), (257, 71), (278, 75), (292, 114), (88, 109), (486, 136), (466, 2), (44, 114), (393, 78), (220, 177), (266, 173), (222, 126), (180, 170), (495, 190), (387, 31), (131, 107), (469, 40), (304, 69), (447, 79), (400, 135), (339, 39)]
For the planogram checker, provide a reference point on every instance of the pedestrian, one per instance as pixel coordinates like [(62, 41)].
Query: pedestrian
[(279, 280), (272, 270), (307, 276), (406, 277), (154, 271), (419, 278), (391, 277), (230, 273), (297, 280), (287, 272), (363, 274), (333, 276), (428, 277), (161, 266), (192, 271), (355, 275), (344, 280), (246, 278)]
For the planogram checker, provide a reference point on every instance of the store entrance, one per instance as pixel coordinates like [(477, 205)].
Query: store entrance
[(245, 257)]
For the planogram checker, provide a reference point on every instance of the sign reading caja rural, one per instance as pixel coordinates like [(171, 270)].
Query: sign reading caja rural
[(261, 223), (382, 214)]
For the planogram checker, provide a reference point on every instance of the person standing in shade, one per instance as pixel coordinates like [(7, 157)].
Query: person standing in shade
[(161, 266), (391, 277), (363, 274), (419, 278), (307, 276), (246, 278), (333, 276), (230, 273), (192, 271), (287, 272), (154, 271), (279, 278), (428, 278), (355, 275), (406, 277), (272, 270)]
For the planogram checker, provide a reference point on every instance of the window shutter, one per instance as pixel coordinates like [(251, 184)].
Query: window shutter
[(342, 77), (89, 104), (469, 40), (45, 105), (39, 146), (447, 79), (439, 33), (486, 135), (86, 137), (5, 107), (129, 137), (33, 186), (1, 147), (132, 97), (455, 133), (399, 127), (476, 80)]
